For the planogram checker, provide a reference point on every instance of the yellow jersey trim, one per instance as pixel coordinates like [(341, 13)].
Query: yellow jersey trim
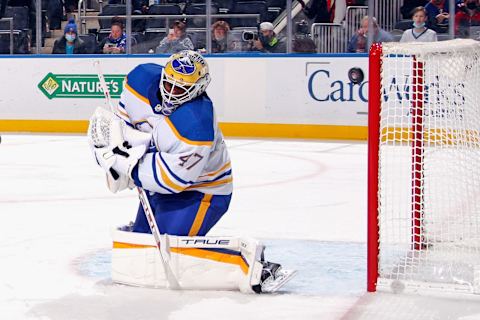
[(136, 94), (200, 216), (212, 255), (187, 141), (214, 173), (167, 180)]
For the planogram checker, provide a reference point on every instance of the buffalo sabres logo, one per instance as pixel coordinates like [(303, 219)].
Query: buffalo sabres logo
[(183, 65)]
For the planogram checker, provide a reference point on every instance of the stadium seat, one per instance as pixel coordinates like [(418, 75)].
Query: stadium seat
[(251, 7), (153, 38), (111, 10), (225, 6), (277, 3), (20, 42), (20, 17), (198, 9), (403, 25), (162, 9), (90, 42), (199, 38)]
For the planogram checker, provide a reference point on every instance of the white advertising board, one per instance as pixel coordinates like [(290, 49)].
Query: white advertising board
[(296, 90)]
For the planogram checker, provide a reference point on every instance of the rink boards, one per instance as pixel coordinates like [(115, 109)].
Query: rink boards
[(295, 96)]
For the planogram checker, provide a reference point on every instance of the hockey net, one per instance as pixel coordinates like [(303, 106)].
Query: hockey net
[(424, 166)]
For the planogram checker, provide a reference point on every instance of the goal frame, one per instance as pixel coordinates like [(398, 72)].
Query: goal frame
[(374, 108)]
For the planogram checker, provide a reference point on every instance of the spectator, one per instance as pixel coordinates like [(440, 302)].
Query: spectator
[(116, 41), (438, 15), (69, 43), (419, 32), (358, 43), (219, 36), (467, 16), (268, 41), (325, 11), (176, 40), (409, 6)]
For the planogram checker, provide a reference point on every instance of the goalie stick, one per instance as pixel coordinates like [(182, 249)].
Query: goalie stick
[(160, 240)]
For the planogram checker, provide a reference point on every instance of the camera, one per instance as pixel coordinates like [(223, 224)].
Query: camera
[(302, 28), (249, 36)]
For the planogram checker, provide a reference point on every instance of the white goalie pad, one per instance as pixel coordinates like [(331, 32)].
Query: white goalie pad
[(201, 263)]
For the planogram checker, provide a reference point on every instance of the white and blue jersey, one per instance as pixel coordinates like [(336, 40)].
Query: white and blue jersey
[(190, 157)]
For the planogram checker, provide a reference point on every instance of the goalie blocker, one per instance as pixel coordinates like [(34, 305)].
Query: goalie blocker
[(205, 263)]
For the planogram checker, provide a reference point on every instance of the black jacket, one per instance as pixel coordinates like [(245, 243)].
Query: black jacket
[(60, 46), (318, 11)]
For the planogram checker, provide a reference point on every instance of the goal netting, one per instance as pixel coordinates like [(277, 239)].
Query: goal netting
[(427, 146)]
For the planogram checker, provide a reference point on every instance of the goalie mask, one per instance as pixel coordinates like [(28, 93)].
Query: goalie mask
[(184, 78)]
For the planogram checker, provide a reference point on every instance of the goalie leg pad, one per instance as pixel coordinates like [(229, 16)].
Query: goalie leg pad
[(216, 263)]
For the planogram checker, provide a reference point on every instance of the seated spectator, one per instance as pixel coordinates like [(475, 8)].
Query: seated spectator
[(325, 11), (268, 41), (219, 36), (116, 41), (176, 40), (467, 16), (409, 6), (69, 43), (438, 15), (419, 32), (358, 43)]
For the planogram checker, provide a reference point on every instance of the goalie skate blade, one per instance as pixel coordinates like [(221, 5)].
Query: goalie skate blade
[(283, 276)]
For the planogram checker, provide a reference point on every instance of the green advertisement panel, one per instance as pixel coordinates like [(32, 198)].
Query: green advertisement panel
[(79, 86)]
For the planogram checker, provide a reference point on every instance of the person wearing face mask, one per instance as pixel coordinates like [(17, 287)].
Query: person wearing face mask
[(69, 43), (358, 43), (268, 41), (419, 32), (468, 16)]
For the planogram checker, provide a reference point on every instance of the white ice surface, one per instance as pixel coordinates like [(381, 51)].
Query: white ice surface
[(305, 200)]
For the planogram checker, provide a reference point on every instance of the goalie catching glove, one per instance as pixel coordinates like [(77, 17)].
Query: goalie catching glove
[(116, 147)]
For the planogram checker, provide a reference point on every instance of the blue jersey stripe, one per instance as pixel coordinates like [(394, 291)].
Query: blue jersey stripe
[(155, 176)]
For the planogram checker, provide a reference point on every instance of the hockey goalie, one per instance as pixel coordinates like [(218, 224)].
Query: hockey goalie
[(163, 138)]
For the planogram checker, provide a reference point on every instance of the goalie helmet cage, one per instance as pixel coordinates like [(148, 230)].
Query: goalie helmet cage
[(424, 167)]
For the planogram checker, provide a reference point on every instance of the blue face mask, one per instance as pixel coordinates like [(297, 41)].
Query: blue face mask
[(419, 25), (70, 37)]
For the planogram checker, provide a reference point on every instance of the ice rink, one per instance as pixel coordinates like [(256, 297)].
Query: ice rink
[(305, 200)]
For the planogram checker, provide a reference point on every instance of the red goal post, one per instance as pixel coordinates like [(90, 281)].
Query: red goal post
[(424, 166)]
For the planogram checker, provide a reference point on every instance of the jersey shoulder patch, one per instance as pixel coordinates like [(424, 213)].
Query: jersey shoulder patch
[(194, 120), (143, 76)]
